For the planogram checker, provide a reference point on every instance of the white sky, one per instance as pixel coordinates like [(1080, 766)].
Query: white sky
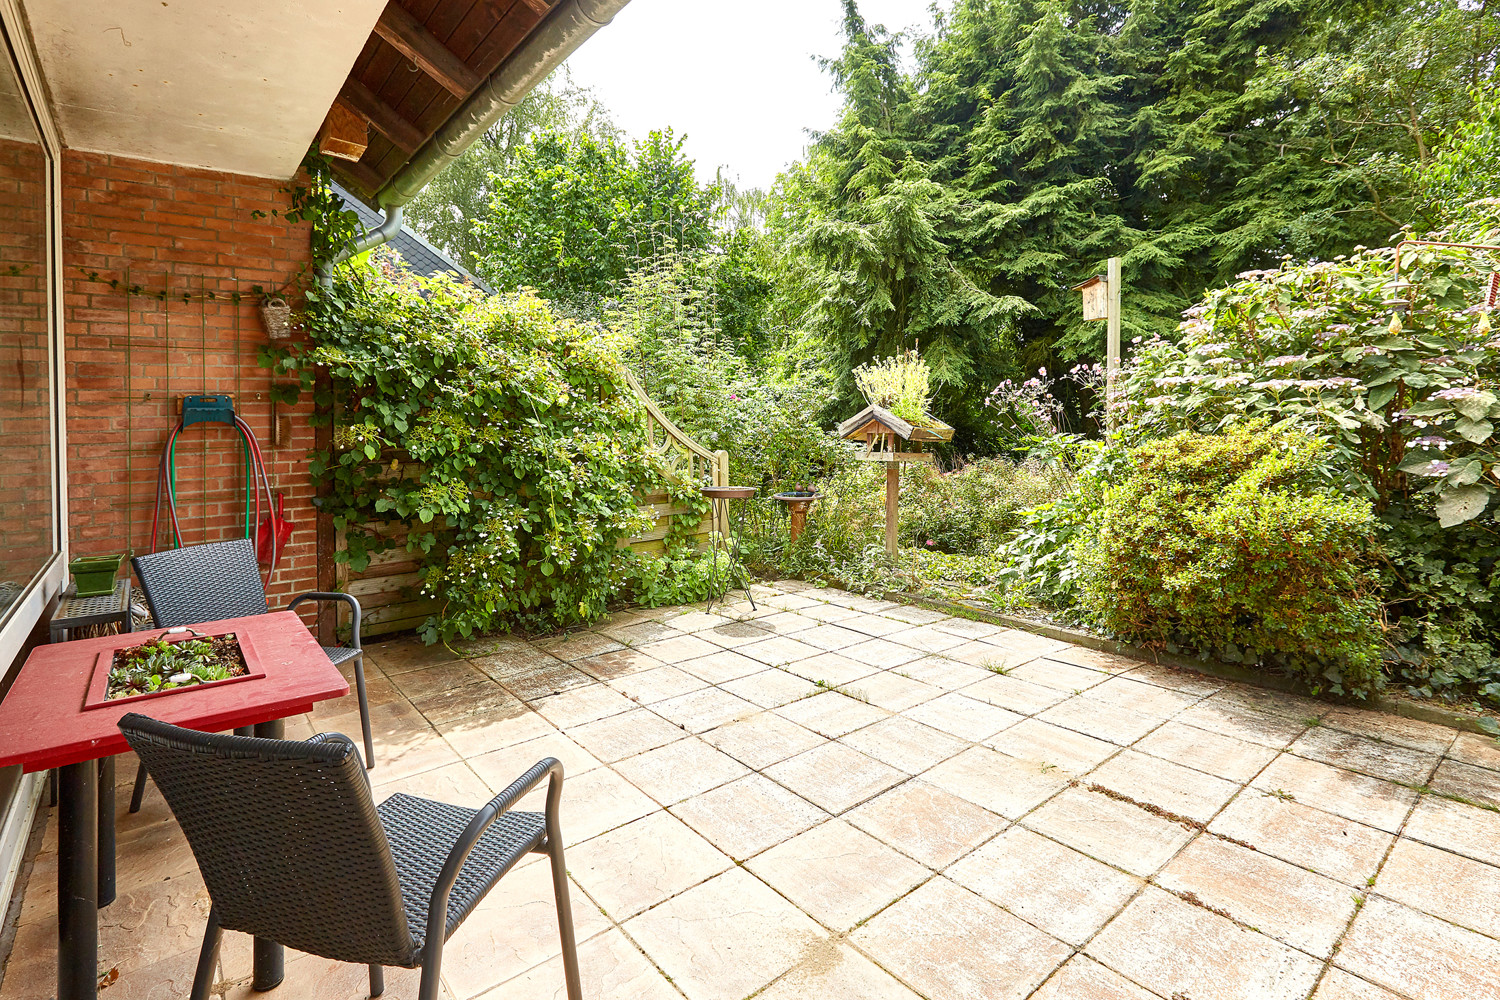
[(737, 78)]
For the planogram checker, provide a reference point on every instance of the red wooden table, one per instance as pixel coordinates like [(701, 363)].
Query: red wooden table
[(44, 724)]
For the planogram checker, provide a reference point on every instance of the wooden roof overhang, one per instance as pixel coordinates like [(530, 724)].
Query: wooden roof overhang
[(421, 62)]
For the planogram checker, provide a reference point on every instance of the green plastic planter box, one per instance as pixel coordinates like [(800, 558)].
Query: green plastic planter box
[(95, 575)]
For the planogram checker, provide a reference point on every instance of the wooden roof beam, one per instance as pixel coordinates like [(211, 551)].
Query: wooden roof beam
[(412, 39), (387, 119), (363, 176)]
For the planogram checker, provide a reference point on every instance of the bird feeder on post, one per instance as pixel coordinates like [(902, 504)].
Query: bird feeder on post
[(887, 438), (1101, 300)]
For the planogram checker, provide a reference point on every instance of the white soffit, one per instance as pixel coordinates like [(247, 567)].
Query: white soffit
[(234, 85)]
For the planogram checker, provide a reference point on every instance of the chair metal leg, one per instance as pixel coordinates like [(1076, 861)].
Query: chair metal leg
[(268, 957), (208, 957), (432, 965), (377, 981), (364, 710), (565, 919), (139, 791)]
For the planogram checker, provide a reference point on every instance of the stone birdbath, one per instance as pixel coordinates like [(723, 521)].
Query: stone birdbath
[(798, 503)]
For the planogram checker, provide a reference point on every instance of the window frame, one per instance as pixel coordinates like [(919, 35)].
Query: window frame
[(22, 617)]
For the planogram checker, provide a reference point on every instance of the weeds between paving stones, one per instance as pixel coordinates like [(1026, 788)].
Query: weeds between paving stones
[(1192, 897), (1157, 811), (1450, 796), (1279, 793)]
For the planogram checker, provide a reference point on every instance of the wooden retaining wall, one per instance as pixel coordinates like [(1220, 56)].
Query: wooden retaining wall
[(389, 589)]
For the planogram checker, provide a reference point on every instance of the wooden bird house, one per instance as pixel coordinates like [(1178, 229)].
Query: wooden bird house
[(887, 438), (1095, 297)]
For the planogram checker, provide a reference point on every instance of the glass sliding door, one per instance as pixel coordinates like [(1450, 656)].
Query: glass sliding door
[(29, 535)]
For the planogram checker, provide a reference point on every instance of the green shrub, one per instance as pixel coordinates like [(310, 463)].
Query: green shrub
[(845, 536), (1407, 402), (845, 545), (1041, 560), (974, 508), (1231, 544), (1440, 585), (677, 576)]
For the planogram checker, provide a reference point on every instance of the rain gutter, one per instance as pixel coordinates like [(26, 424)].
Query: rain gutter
[(568, 26)]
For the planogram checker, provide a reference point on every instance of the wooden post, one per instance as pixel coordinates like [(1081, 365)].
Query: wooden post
[(1112, 340), (892, 498)]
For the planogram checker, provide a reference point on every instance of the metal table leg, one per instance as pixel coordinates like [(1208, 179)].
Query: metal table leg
[(737, 531), (270, 957), (106, 831), (78, 882), (713, 548)]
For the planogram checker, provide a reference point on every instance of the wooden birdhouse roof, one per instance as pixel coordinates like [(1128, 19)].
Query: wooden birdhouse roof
[(875, 420), (878, 420)]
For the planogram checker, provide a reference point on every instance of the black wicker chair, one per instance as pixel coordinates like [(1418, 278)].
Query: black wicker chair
[(204, 583), (294, 850)]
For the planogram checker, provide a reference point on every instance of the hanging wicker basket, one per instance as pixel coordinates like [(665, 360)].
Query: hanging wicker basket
[(277, 316)]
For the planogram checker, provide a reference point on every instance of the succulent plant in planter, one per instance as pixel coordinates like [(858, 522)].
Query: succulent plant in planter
[(163, 665)]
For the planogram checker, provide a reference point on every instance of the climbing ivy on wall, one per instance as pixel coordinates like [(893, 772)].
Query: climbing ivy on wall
[(503, 439)]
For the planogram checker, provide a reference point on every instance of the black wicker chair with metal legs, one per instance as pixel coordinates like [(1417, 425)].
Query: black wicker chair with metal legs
[(294, 850), (204, 583)]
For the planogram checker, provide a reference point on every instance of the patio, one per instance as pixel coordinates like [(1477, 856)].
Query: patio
[(856, 800)]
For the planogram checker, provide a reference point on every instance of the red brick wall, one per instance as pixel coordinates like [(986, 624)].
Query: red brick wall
[(190, 239)]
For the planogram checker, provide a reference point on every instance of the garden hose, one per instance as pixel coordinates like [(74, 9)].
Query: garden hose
[(249, 473), (255, 476)]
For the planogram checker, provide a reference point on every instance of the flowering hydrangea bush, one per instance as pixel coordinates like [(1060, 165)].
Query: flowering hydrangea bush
[(1403, 382)]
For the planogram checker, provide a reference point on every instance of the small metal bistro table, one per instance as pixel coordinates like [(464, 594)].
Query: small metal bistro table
[(723, 513), (74, 612), (46, 721)]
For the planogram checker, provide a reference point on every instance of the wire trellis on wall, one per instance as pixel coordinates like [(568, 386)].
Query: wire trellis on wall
[(183, 334)]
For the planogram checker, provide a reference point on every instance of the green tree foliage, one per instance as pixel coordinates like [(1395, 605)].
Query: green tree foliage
[(445, 210), (875, 235), (670, 315), (1035, 138), (1467, 168), (576, 213), (1373, 89)]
